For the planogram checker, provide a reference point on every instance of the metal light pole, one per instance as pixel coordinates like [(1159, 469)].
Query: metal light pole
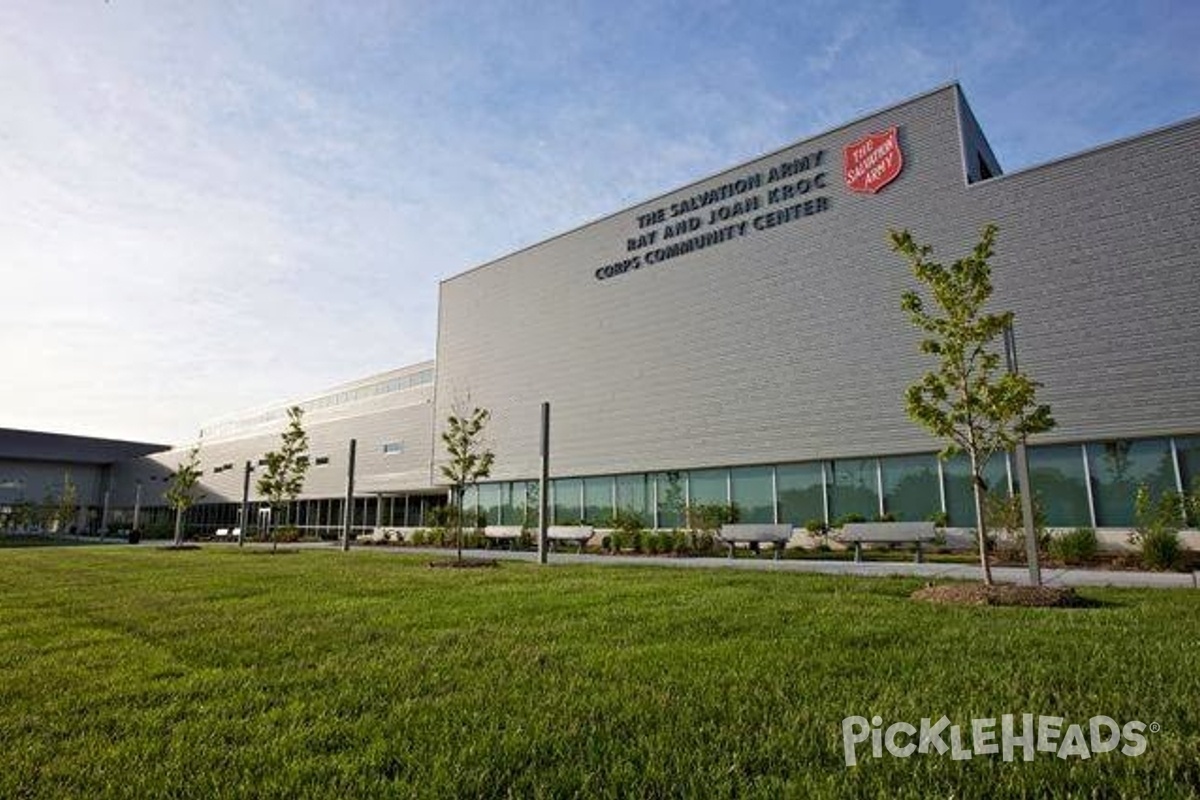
[(1031, 545), (544, 487), (245, 520), (137, 504), (348, 516)]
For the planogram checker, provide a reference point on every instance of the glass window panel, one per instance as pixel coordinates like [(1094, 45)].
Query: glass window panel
[(801, 493), (708, 487), (532, 509), (564, 495), (910, 487), (960, 503), (597, 500), (470, 501), (854, 489), (489, 502), (672, 495), (1118, 468), (512, 504), (753, 493), (633, 497), (1188, 448), (1056, 472)]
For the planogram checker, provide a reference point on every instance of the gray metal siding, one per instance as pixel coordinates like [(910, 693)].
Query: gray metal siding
[(790, 345), (408, 419)]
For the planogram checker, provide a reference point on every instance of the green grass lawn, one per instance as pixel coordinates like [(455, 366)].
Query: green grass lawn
[(217, 673)]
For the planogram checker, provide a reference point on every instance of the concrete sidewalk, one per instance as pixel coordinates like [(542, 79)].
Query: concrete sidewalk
[(962, 572)]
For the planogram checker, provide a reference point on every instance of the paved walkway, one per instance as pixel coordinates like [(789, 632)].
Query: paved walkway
[(878, 569)]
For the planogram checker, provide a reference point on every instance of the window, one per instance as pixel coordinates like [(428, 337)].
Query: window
[(801, 493), (854, 489), (512, 504), (910, 487), (565, 497), (597, 500), (960, 502), (753, 493), (392, 448), (633, 497), (708, 487), (321, 461), (1118, 468), (1056, 473), (672, 495), (489, 502)]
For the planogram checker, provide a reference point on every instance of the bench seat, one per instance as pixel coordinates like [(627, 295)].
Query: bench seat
[(755, 534), (860, 533), (503, 533), (579, 534)]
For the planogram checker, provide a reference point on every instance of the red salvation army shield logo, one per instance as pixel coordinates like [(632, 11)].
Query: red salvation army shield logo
[(873, 161)]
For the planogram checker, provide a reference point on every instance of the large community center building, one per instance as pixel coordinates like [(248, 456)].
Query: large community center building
[(740, 340)]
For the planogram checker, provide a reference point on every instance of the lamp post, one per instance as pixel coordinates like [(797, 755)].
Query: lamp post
[(1031, 545)]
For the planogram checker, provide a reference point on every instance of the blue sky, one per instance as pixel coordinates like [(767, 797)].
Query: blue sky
[(210, 206)]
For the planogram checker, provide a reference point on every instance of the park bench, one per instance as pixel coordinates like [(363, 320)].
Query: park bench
[(755, 534), (511, 534), (222, 534), (579, 534), (860, 533)]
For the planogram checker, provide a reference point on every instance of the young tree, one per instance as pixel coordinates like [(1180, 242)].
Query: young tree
[(68, 504), (468, 459), (283, 476), (181, 489), (969, 400)]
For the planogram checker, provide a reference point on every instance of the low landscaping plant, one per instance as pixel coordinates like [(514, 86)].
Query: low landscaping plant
[(1157, 533), (1076, 547)]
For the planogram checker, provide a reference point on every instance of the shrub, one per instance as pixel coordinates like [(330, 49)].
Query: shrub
[(711, 516), (1006, 525), (1157, 532), (1076, 547)]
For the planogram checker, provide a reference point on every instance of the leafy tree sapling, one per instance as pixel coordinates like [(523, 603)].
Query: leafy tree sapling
[(968, 400), (468, 459), (283, 474)]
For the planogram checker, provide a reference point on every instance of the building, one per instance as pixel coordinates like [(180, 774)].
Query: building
[(740, 340), (37, 470)]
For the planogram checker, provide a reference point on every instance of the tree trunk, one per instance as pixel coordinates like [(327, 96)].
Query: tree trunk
[(980, 523), (178, 527)]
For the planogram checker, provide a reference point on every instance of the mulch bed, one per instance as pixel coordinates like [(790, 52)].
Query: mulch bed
[(1005, 594), (466, 563)]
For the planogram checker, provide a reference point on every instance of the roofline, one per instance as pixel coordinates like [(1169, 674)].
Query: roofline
[(1091, 151)]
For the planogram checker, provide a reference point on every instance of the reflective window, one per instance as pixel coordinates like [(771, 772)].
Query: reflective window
[(801, 493), (489, 503), (910, 487), (1188, 448), (1056, 472), (854, 489), (1118, 468), (633, 497), (708, 487), (565, 496), (597, 500), (470, 500), (532, 506), (512, 506), (672, 496), (960, 502), (753, 494)]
